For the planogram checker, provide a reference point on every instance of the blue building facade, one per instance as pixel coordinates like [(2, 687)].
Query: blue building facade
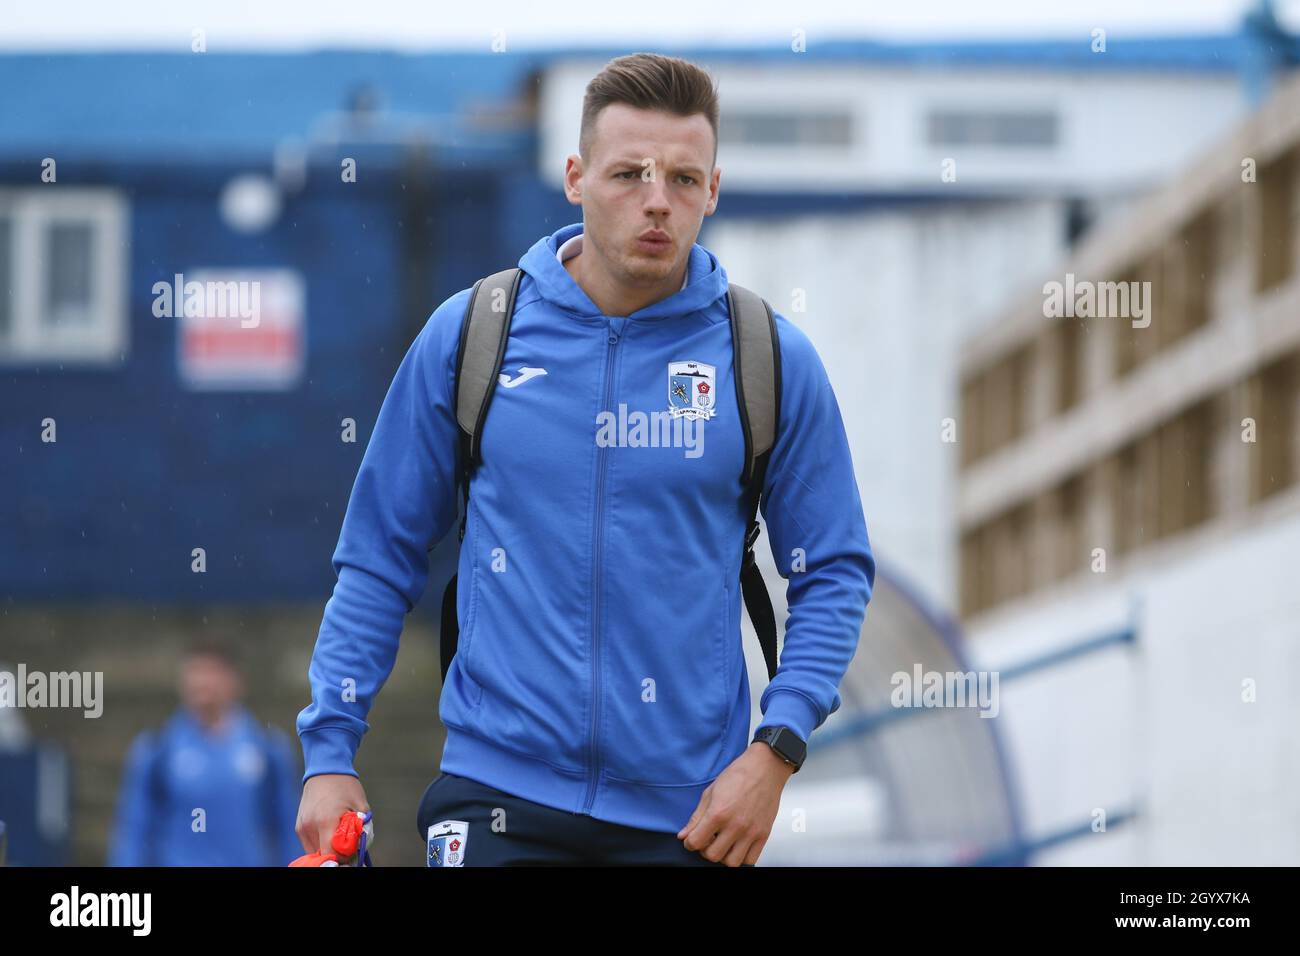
[(146, 468)]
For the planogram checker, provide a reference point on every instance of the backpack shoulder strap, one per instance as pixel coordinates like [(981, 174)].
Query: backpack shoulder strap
[(756, 356), (483, 335), (758, 373), (159, 748), (156, 745)]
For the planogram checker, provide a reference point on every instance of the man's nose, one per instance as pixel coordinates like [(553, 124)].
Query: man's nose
[(656, 195)]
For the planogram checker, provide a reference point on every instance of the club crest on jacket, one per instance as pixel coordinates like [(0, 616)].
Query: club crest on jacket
[(691, 389)]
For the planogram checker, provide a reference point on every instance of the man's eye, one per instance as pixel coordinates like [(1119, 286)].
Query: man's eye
[(627, 172), (691, 178)]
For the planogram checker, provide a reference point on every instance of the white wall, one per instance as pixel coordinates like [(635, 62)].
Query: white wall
[(1117, 130), (1165, 725), (890, 296)]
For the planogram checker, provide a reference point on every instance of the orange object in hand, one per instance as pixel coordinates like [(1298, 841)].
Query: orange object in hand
[(351, 838)]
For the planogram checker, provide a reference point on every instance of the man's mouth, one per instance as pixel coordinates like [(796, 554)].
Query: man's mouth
[(654, 240)]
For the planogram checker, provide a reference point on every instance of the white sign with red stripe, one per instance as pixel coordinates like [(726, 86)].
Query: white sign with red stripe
[(240, 329)]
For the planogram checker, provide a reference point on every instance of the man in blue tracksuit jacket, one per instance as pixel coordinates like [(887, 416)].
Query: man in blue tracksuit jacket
[(212, 786), (598, 694)]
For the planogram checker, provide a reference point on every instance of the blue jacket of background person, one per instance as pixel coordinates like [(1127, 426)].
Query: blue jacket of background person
[(196, 797)]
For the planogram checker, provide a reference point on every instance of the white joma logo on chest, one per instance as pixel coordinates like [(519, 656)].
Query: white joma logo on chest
[(525, 373)]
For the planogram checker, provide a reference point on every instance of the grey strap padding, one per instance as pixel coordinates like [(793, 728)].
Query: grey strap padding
[(754, 355), (483, 342)]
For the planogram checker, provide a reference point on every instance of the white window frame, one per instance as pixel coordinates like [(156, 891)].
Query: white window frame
[(1021, 110), (30, 339)]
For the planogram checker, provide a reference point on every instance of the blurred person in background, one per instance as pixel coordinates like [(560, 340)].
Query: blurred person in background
[(13, 738), (13, 729), (213, 787)]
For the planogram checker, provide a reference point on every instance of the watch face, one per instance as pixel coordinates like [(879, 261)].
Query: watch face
[(794, 746), (788, 744)]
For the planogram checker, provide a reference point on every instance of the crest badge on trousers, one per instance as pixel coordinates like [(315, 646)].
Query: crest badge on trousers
[(447, 841)]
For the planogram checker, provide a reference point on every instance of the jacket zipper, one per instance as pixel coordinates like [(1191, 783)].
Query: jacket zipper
[(612, 338)]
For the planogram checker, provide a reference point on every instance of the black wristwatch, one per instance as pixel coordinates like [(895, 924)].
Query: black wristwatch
[(788, 745)]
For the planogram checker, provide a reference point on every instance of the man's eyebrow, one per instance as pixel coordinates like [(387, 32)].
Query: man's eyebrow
[(640, 163)]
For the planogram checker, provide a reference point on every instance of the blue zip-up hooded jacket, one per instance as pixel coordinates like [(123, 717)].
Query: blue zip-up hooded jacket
[(244, 778), (599, 668)]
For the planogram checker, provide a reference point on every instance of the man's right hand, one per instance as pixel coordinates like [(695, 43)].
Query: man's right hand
[(325, 797)]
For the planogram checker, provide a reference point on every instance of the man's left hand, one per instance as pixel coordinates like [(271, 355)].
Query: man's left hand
[(735, 814)]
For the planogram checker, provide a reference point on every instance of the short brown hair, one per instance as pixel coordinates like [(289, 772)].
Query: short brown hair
[(650, 81), (220, 648)]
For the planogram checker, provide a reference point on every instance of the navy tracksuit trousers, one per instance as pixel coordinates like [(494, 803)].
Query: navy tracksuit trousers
[(463, 812)]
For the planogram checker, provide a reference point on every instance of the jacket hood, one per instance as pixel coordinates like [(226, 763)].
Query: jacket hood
[(706, 281)]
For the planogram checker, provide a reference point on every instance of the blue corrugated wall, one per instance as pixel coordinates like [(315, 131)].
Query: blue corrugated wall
[(144, 469)]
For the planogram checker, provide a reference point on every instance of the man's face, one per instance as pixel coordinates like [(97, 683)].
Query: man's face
[(208, 684), (648, 171)]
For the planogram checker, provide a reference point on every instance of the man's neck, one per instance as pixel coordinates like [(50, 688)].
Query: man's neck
[(213, 722), (615, 300)]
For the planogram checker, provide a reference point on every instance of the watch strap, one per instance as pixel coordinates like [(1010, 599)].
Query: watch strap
[(785, 743)]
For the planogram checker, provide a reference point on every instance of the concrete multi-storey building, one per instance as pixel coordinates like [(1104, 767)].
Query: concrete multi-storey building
[(1133, 462)]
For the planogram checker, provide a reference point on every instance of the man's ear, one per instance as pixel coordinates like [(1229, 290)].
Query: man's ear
[(713, 191), (573, 179)]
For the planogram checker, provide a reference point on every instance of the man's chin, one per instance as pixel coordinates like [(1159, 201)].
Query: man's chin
[(646, 270)]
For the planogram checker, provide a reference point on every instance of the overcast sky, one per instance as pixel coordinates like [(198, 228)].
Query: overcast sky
[(298, 24)]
